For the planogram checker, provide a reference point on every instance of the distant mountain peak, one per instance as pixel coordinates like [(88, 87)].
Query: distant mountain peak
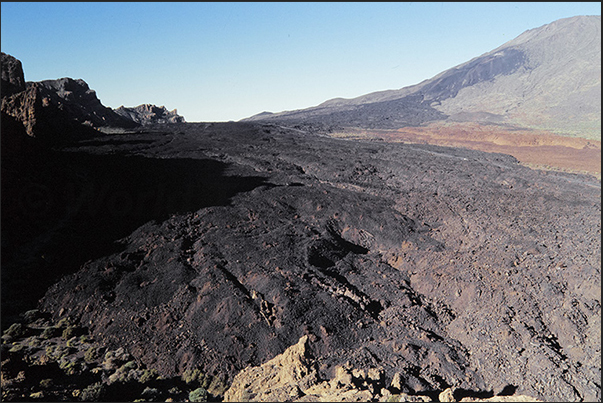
[(548, 78), (150, 114)]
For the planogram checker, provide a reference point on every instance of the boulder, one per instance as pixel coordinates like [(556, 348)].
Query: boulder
[(276, 380)]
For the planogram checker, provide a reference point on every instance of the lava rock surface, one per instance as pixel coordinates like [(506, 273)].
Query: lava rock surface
[(448, 267)]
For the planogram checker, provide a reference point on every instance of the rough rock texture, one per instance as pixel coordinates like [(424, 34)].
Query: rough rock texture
[(81, 103), (411, 110), (293, 376), (443, 267), (276, 380), (13, 78), (54, 110), (150, 114), (41, 118)]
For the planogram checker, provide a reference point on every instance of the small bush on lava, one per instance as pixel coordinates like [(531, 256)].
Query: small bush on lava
[(198, 395)]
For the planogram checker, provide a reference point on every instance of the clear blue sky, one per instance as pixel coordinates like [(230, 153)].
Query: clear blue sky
[(227, 61)]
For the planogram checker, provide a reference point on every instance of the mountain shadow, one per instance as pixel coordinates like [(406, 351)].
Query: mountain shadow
[(61, 209)]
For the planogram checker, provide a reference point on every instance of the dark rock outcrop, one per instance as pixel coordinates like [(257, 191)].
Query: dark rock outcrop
[(13, 78), (81, 104), (150, 114), (54, 111)]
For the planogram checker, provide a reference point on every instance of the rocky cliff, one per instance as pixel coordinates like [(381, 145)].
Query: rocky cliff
[(54, 110), (80, 102), (150, 114), (13, 78)]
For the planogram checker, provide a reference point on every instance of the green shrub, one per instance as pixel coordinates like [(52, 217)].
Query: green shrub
[(33, 341), (128, 366), (92, 392), (124, 373), (117, 376), (174, 391), (16, 348), (69, 332), (148, 375), (15, 330), (62, 351), (193, 375), (69, 367), (56, 352), (149, 393), (217, 386), (72, 342), (65, 322), (31, 315), (46, 383), (198, 395), (91, 354), (49, 351), (49, 332)]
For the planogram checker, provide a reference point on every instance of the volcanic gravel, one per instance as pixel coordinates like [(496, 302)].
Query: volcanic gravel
[(217, 246)]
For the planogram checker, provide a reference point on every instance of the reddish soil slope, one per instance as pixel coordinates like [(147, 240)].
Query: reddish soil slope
[(534, 148)]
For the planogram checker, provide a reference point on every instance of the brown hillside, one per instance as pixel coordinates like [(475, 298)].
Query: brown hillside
[(531, 147)]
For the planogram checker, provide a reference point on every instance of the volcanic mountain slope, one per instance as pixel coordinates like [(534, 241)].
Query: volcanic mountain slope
[(547, 78), (447, 267)]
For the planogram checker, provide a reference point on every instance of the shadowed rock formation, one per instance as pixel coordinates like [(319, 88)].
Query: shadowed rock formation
[(81, 104), (149, 114), (13, 79), (54, 111)]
